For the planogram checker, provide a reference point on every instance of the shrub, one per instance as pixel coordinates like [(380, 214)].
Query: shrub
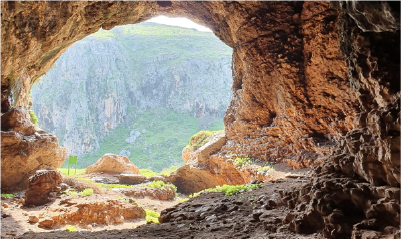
[(229, 190), (34, 119), (201, 138), (7, 195), (152, 216), (182, 199), (87, 192), (161, 185), (242, 162)]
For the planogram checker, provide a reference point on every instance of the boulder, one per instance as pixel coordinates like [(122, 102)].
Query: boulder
[(167, 193), (112, 163), (43, 187), (131, 179), (25, 149)]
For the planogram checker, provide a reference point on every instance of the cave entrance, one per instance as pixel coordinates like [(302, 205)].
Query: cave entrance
[(139, 90)]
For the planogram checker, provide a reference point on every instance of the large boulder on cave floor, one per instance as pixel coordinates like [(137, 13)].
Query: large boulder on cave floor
[(206, 168), (43, 187), (112, 163), (25, 148)]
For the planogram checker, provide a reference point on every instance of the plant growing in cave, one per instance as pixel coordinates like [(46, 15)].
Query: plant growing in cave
[(70, 229), (201, 138), (152, 216), (161, 185), (86, 192), (229, 190), (242, 162), (34, 119)]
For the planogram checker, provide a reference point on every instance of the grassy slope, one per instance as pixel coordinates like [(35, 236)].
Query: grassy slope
[(167, 133)]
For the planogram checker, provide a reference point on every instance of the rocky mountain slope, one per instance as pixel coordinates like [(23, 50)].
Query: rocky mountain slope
[(137, 90)]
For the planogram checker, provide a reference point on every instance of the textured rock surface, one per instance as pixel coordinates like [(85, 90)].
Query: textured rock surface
[(74, 211), (167, 193), (43, 187), (131, 179), (24, 149), (113, 163), (311, 80)]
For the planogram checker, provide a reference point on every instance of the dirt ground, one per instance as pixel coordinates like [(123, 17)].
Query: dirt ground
[(210, 215)]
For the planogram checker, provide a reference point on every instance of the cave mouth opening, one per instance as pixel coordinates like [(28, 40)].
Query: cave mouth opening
[(138, 90)]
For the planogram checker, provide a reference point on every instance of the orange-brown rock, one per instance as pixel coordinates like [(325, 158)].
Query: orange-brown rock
[(131, 179), (313, 83), (167, 193), (93, 210), (113, 163), (25, 149), (43, 187)]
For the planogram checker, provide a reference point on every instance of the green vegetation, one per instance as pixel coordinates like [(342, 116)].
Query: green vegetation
[(86, 192), (152, 216), (229, 190), (64, 171), (182, 199), (111, 186), (161, 185), (70, 229), (242, 162), (71, 193), (165, 172), (200, 138), (147, 172), (157, 148), (7, 195), (267, 169), (34, 119)]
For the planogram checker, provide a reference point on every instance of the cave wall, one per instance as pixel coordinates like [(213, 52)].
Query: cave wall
[(307, 79)]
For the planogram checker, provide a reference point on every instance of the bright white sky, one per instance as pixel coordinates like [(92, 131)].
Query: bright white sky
[(180, 22)]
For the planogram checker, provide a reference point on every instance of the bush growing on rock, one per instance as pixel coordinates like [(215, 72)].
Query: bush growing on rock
[(200, 139), (162, 185), (34, 119)]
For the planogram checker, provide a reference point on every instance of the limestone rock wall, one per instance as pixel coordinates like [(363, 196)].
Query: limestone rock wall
[(310, 80)]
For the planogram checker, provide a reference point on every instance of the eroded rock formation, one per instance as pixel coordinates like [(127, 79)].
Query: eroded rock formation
[(25, 149), (313, 82), (113, 163), (43, 187)]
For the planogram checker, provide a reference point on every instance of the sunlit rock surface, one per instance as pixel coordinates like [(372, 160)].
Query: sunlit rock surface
[(314, 83), (24, 149), (113, 163)]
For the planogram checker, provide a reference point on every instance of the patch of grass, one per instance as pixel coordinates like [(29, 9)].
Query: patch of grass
[(147, 172), (152, 216), (86, 192), (64, 171), (70, 229), (242, 162), (111, 186), (182, 199), (161, 185), (7, 195), (171, 169), (229, 190), (267, 169), (71, 193)]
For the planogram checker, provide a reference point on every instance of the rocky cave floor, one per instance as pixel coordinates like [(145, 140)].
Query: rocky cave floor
[(254, 214)]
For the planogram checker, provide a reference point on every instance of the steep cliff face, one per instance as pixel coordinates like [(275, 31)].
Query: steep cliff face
[(112, 78)]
